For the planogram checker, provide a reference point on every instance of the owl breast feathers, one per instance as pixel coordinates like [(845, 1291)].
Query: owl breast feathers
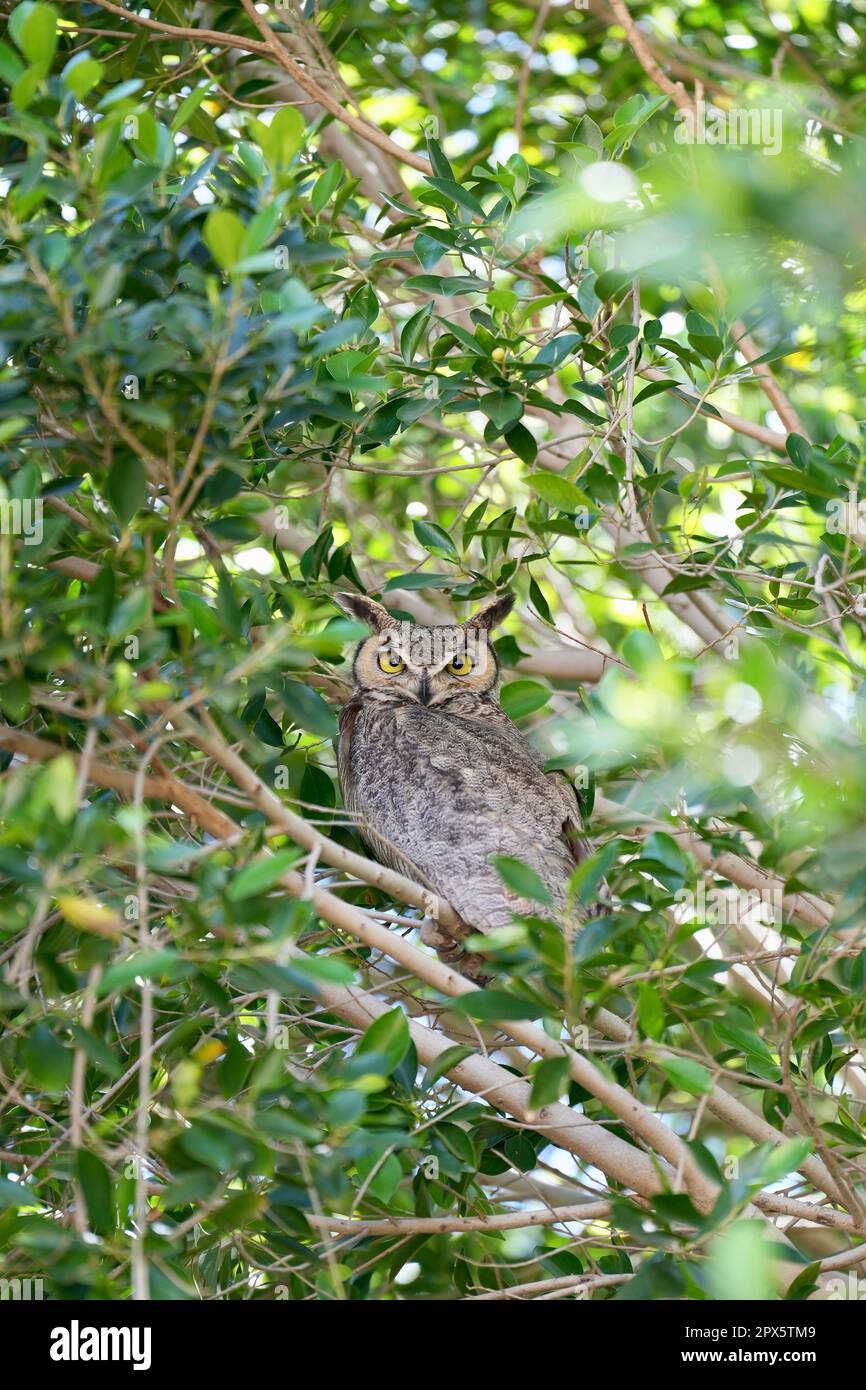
[(438, 777)]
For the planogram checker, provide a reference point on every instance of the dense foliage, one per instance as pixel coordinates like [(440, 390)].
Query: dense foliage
[(430, 301)]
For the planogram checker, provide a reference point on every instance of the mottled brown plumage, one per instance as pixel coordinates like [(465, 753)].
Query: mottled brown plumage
[(440, 779)]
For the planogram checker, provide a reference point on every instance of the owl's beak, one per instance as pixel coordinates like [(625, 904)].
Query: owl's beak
[(424, 689)]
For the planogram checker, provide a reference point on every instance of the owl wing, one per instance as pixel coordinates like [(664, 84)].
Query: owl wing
[(574, 816), (573, 810)]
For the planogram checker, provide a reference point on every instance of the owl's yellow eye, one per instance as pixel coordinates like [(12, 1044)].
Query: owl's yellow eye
[(460, 665), (391, 664)]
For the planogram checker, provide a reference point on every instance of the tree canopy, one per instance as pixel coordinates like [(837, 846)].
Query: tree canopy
[(431, 301)]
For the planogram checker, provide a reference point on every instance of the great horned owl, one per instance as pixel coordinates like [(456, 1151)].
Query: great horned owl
[(438, 776)]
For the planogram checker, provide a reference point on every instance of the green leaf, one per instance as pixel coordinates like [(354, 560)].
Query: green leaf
[(503, 301), (588, 133), (216, 1145), (687, 1075), (228, 607), (557, 491), (805, 1283), (685, 584), (799, 450), (623, 334), (239, 1212), (520, 878), (96, 1051), (522, 697), (47, 1061), (759, 1059), (16, 1194), (522, 441), (223, 235), (12, 426), (740, 1264), (388, 1037), (24, 89), (413, 331), (202, 616), (11, 66), (549, 1081), (451, 1057), (262, 874), (268, 730), (419, 581), (501, 407), (308, 710), (146, 965), (281, 140), (784, 1159), (386, 1178), (15, 699), (118, 94), (430, 246), (131, 614), (658, 1279), (539, 602), (189, 105), (325, 187), (98, 1189), (642, 652), (433, 538), (11, 1002), (655, 388), (488, 1005), (336, 972), (709, 347), (445, 284), (60, 778), (650, 1010), (34, 29), (665, 859), (81, 73), (610, 284), (127, 488)]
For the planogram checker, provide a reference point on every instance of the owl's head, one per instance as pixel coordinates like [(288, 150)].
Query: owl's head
[(415, 664)]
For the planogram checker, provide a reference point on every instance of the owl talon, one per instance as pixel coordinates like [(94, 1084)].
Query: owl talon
[(451, 951), (435, 936), (476, 968)]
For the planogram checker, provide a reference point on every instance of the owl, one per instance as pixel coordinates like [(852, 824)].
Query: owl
[(440, 780)]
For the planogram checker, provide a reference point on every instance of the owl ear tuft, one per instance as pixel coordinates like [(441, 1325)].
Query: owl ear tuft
[(366, 610), (491, 613)]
